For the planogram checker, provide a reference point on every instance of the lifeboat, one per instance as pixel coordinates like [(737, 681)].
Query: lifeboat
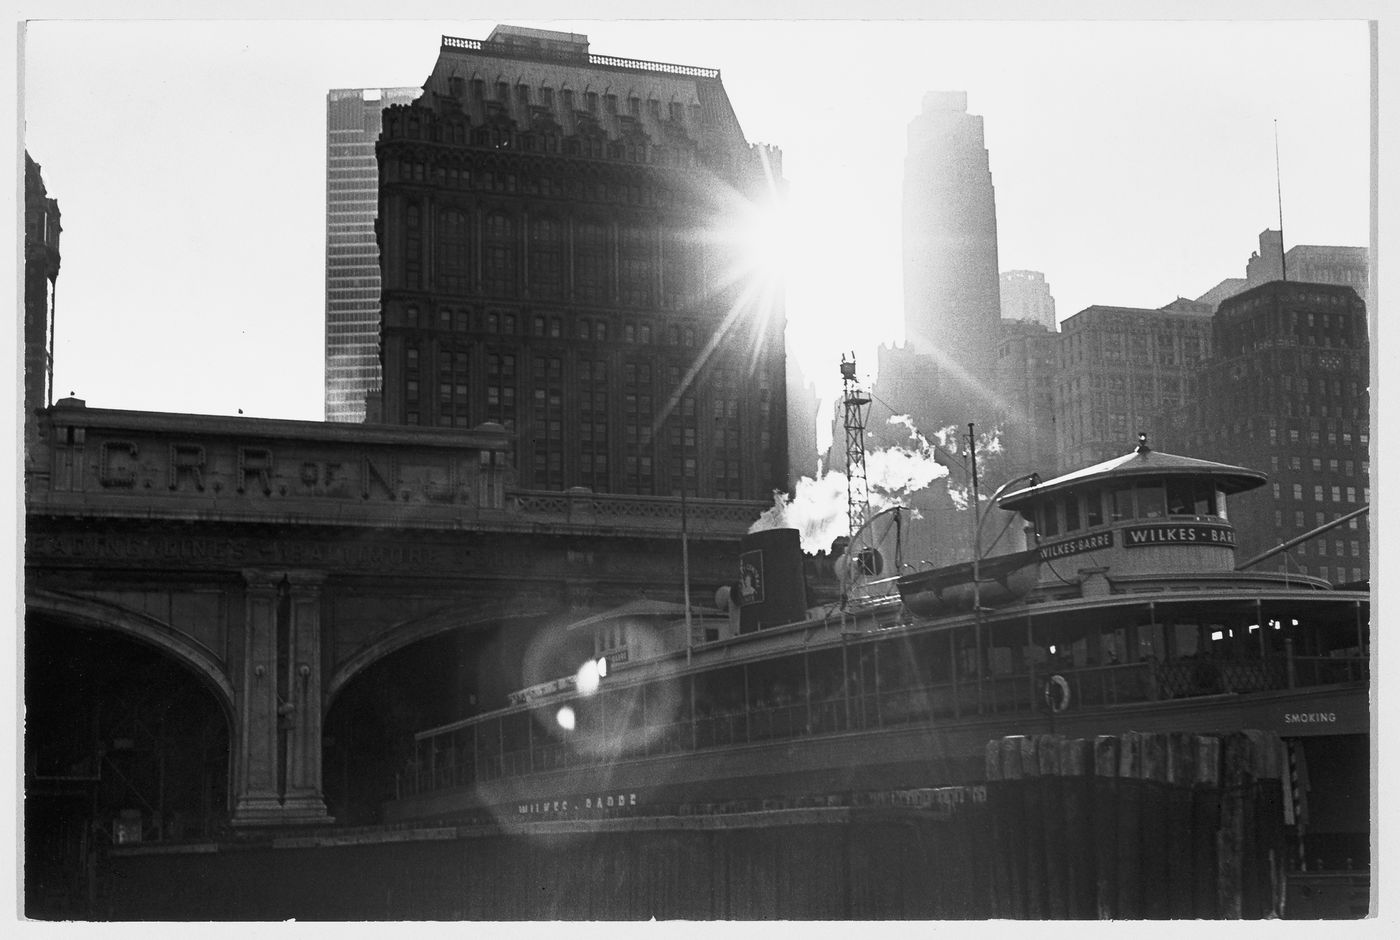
[(1002, 579)]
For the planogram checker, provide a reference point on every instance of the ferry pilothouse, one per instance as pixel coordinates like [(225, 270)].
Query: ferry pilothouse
[(1127, 612)]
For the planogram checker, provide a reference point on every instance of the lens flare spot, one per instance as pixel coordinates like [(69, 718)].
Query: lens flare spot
[(566, 719), (587, 677)]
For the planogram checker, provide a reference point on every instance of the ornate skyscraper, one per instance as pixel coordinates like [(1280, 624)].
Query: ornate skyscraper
[(952, 306), (41, 258), (561, 253), (352, 257), (1287, 391)]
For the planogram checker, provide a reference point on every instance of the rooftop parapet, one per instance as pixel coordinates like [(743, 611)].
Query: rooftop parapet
[(575, 54)]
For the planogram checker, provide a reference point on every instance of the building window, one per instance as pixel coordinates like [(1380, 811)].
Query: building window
[(498, 276), (635, 276), (547, 258), (591, 262), (452, 251)]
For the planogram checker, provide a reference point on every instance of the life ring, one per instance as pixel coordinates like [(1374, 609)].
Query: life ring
[(1057, 693)]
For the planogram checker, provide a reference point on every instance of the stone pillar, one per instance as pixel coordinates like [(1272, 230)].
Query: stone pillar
[(278, 741), (302, 798), (256, 799)]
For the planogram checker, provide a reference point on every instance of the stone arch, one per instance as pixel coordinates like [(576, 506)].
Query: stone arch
[(398, 635), (102, 615)]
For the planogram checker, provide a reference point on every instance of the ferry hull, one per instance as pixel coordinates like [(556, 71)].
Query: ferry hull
[(815, 770)]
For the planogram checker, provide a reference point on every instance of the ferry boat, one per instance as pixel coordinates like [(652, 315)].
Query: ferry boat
[(1128, 612)]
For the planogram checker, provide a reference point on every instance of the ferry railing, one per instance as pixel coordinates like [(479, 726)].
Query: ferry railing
[(769, 722), (1306, 671), (1191, 677), (1113, 684)]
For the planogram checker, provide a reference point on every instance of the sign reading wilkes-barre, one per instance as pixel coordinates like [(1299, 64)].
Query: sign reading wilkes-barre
[(1178, 534), (1076, 546)]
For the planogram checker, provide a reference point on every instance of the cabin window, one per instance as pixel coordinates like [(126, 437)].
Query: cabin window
[(1122, 504), (1151, 501), (1205, 499), (1094, 505), (1072, 514), (1051, 519), (1190, 497), (1180, 500)]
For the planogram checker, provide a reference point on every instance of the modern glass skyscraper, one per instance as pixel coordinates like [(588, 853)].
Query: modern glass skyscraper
[(352, 257)]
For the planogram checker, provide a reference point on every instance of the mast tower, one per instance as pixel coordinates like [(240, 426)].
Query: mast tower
[(855, 404)]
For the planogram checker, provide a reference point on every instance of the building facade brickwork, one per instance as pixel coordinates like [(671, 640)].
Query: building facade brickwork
[(1027, 360), (1287, 392), (561, 253), (1119, 367)]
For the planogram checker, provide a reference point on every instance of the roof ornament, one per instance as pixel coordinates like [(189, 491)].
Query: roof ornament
[(1142, 447)]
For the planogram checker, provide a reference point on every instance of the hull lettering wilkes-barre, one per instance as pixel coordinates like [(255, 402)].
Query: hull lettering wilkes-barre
[(587, 804), (1171, 534)]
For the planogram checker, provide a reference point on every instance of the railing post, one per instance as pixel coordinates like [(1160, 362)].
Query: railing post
[(845, 679), (693, 744), (807, 687), (953, 667), (879, 712)]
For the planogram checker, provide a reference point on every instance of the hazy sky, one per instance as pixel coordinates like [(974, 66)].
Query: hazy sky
[(1133, 163)]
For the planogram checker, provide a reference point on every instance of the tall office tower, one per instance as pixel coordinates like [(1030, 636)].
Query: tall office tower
[(41, 259), (1286, 392), (561, 241), (1027, 365), (1025, 296), (1312, 264), (802, 406), (952, 306), (1120, 367), (352, 257)]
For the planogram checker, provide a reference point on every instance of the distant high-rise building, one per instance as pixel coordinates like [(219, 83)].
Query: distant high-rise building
[(1024, 380), (352, 257), (553, 258), (41, 260), (1026, 297), (952, 305), (1313, 264), (802, 407), (1119, 368), (1286, 392)]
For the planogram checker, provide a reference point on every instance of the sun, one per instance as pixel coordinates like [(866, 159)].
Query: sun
[(764, 240)]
